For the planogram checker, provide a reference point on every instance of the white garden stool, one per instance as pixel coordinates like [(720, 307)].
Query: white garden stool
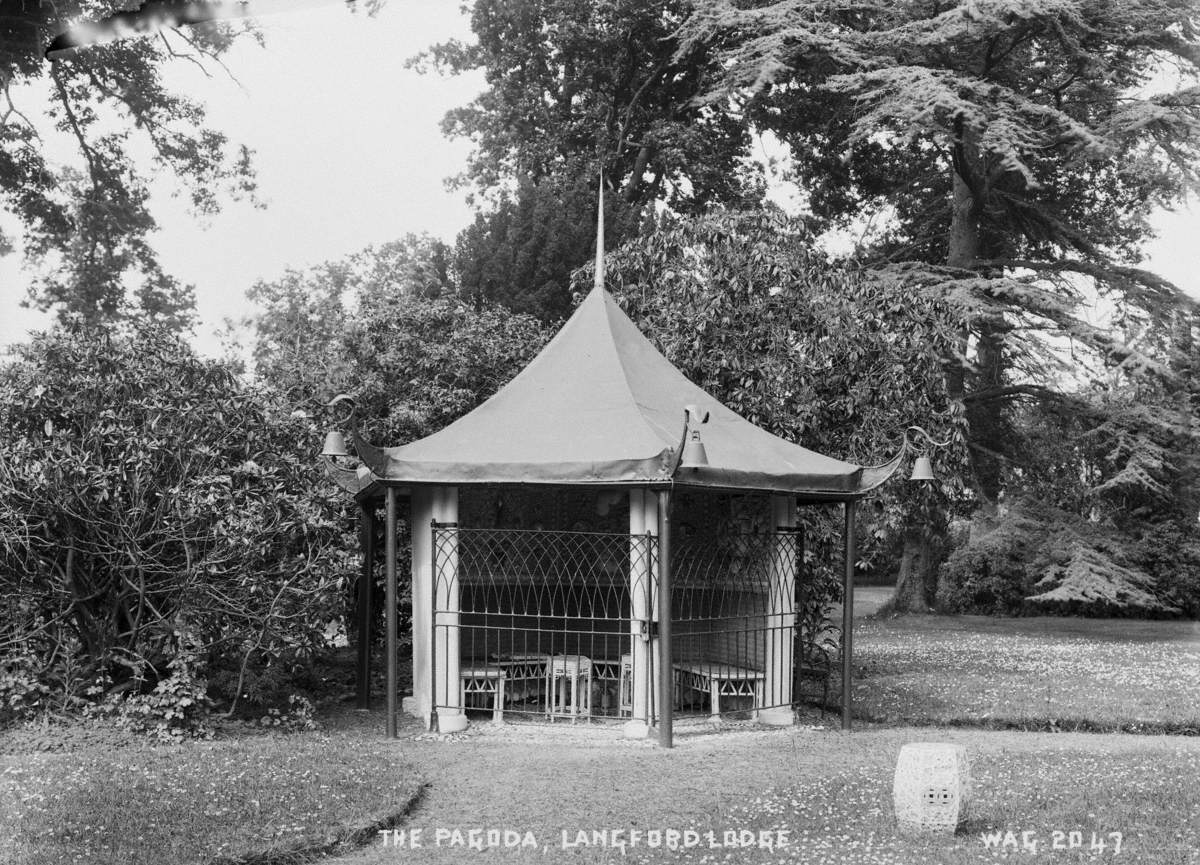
[(569, 687), (485, 680), (932, 790)]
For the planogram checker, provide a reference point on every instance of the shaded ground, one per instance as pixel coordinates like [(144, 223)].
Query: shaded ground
[(829, 791)]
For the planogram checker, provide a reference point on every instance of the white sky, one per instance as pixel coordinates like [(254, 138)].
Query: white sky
[(349, 153)]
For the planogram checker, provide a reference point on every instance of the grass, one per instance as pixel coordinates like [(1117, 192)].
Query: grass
[(258, 797), (265, 798), (830, 791), (1094, 674)]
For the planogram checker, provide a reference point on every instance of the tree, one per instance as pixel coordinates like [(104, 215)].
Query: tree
[(576, 86), (420, 364), (1006, 138), (522, 253), (838, 361), (155, 512), (302, 319), (89, 231), (576, 89), (1012, 151)]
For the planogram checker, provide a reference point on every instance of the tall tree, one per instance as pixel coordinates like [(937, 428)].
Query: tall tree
[(1013, 149), (1014, 146), (89, 230), (573, 89), (573, 86), (522, 252)]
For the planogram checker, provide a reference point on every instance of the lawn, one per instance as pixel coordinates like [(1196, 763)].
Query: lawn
[(1105, 674), (200, 802), (111, 800), (829, 791)]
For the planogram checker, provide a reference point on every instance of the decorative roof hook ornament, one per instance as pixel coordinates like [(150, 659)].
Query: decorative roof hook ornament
[(693, 455)]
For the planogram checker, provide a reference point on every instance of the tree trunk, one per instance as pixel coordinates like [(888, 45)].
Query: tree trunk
[(985, 417), (916, 582), (915, 585)]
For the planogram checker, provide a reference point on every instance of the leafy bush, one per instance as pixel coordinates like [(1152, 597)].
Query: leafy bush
[(1171, 553), (177, 707), (1037, 560), (22, 692), (147, 493), (990, 573), (1094, 581)]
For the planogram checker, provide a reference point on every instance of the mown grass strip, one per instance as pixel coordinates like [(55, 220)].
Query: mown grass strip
[(261, 799)]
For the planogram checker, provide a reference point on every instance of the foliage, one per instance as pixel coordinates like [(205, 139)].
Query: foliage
[(1010, 153), (1093, 581), (818, 354), (413, 359), (22, 692), (573, 87), (522, 252), (1033, 558), (990, 574), (302, 317), (1170, 552), (89, 228), (176, 708), (576, 90), (153, 506), (420, 364)]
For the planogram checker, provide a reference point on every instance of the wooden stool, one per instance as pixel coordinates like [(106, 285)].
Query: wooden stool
[(565, 698), (485, 680)]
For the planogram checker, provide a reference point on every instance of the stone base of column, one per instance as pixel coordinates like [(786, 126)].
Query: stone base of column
[(448, 723), (635, 730), (778, 716)]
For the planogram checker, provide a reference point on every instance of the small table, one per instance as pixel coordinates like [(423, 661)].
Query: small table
[(484, 680), (524, 672), (720, 680), (569, 687), (618, 673)]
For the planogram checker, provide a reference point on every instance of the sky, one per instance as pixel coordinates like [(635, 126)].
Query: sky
[(349, 153), (347, 145)]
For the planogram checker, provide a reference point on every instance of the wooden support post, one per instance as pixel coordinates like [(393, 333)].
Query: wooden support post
[(390, 612), (848, 614), (366, 582), (666, 677)]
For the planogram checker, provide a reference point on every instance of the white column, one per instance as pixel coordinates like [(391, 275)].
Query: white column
[(451, 717), (781, 616), (643, 519), (420, 514)]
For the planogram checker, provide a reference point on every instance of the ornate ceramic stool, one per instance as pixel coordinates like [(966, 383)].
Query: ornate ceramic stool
[(932, 790)]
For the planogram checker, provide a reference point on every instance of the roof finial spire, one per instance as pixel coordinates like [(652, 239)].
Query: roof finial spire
[(599, 279)]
